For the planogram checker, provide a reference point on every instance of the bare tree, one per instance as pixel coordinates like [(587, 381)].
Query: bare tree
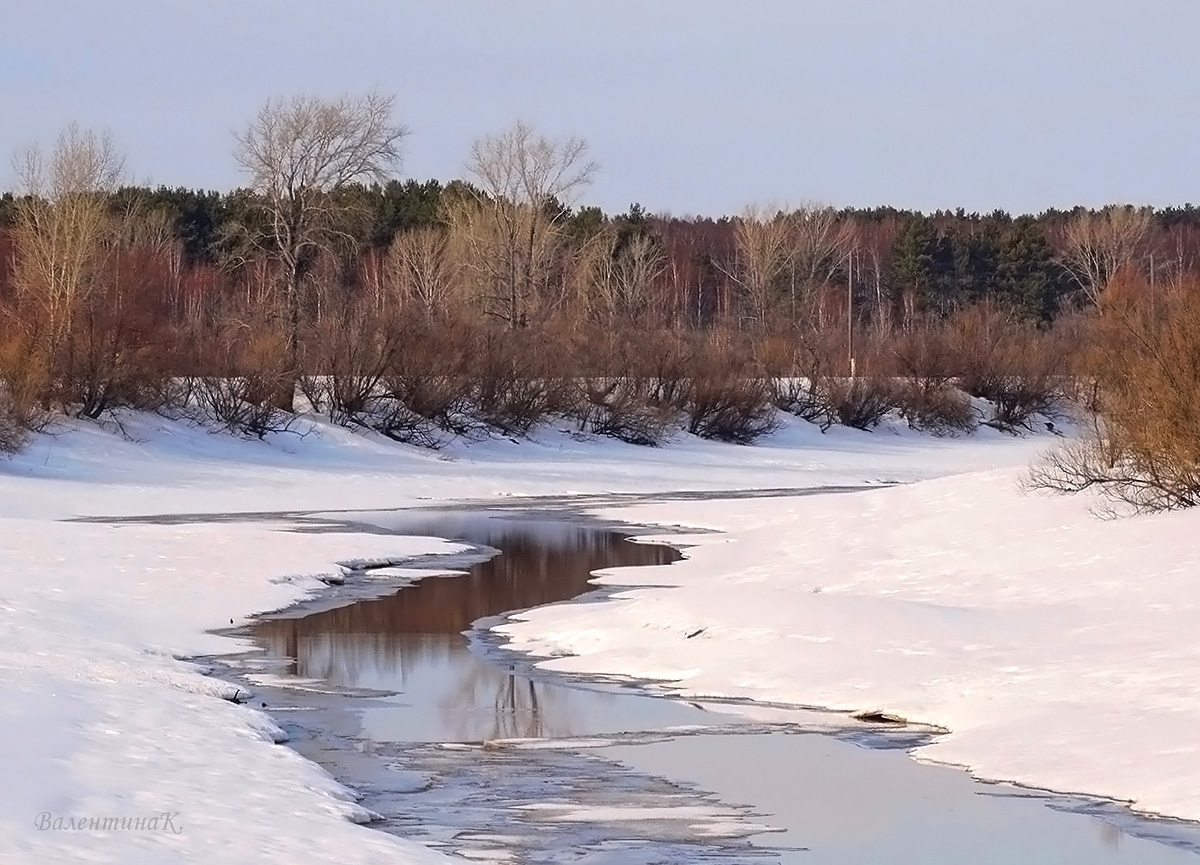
[(511, 224), (873, 244), (63, 223), (1098, 244), (764, 247), (299, 151), (624, 273), (820, 247), (423, 269)]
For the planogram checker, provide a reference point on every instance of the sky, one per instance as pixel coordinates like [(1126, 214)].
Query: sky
[(689, 106)]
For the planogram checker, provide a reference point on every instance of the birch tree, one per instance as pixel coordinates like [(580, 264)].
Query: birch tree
[(1098, 244), (63, 223), (511, 221)]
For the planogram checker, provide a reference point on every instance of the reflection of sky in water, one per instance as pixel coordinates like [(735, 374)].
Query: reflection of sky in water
[(412, 642), (845, 803), (449, 694), (854, 805)]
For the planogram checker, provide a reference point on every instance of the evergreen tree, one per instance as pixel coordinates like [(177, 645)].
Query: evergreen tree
[(1028, 277)]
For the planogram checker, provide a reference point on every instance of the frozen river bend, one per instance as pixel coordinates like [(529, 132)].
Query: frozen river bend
[(1056, 648), (459, 743)]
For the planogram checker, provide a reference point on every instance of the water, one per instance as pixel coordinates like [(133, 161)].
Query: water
[(412, 642), (466, 747)]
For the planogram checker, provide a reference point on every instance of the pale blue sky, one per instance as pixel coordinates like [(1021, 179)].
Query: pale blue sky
[(691, 106)]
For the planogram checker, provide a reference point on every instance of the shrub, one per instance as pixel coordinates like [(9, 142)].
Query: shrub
[(726, 400), (623, 408), (925, 357), (514, 390), (354, 347), (1143, 453), (731, 409), (803, 397), (860, 402), (427, 388), (13, 430), (615, 391), (1018, 369), (242, 377), (801, 388), (240, 404), (941, 410), (23, 384)]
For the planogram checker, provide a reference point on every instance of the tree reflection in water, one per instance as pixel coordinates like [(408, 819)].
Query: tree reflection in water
[(412, 642)]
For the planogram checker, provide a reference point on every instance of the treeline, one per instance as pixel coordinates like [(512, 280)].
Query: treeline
[(495, 303), (897, 267)]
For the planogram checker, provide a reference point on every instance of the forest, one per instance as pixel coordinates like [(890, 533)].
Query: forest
[(494, 302)]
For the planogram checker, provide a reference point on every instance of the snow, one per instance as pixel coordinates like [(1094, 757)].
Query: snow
[(1057, 648), (1054, 646)]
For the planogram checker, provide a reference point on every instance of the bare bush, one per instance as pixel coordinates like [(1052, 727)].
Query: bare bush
[(730, 408), (1019, 370), (393, 418), (1032, 391), (926, 356), (515, 388), (353, 347), (241, 377), (613, 392), (861, 402), (115, 351), (624, 408), (429, 386), (1144, 455), (1131, 480), (665, 361), (801, 384), (239, 404), (942, 410), (13, 431), (18, 412), (727, 400), (925, 397), (24, 380)]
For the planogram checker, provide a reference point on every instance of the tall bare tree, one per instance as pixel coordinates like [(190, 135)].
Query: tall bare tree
[(298, 152), (622, 274), (822, 241), (422, 267), (63, 223), (511, 223), (764, 243), (873, 244), (1098, 244)]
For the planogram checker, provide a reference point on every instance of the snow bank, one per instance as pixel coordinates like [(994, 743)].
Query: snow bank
[(99, 722), (1056, 647)]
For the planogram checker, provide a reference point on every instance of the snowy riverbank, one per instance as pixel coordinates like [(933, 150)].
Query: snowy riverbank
[(1057, 648), (928, 605)]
